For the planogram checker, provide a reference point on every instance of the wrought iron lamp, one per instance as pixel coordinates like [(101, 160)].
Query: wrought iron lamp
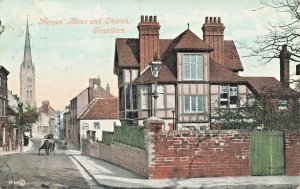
[(155, 69)]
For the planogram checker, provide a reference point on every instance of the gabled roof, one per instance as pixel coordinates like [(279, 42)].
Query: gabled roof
[(101, 108), (271, 87), (127, 51), (189, 41), (232, 58)]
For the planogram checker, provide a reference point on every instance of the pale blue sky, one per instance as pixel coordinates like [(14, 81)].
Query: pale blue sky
[(66, 56)]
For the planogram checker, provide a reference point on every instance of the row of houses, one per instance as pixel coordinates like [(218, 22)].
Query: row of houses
[(9, 117), (91, 112)]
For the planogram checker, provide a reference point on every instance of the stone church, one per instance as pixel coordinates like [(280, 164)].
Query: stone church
[(27, 74)]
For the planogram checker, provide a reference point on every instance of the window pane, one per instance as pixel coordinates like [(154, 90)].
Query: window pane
[(200, 104), (224, 96), (233, 90), (186, 103), (282, 104), (199, 67), (193, 58), (193, 70), (186, 58), (187, 71), (144, 97), (224, 89), (194, 103), (160, 101), (233, 99)]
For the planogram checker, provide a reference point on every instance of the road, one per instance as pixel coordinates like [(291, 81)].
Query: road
[(40, 171)]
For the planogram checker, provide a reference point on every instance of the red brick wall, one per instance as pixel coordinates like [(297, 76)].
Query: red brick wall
[(292, 153), (194, 154)]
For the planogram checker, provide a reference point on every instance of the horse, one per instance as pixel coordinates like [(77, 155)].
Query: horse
[(45, 144), (52, 147)]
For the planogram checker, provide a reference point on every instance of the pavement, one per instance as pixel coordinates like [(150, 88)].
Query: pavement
[(25, 149), (107, 175)]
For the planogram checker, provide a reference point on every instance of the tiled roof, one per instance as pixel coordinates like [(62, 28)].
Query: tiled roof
[(218, 74), (189, 41), (165, 76), (270, 86), (127, 51), (232, 58), (101, 108)]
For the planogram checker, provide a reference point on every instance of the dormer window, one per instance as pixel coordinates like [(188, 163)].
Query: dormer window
[(193, 66)]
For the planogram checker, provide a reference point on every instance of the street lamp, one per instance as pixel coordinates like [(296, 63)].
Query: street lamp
[(155, 69)]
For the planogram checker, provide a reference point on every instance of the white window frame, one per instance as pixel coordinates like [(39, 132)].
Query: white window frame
[(96, 125), (193, 104), (231, 91), (197, 65)]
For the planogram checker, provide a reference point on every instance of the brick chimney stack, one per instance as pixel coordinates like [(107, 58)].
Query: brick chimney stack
[(148, 40), (284, 57), (213, 35)]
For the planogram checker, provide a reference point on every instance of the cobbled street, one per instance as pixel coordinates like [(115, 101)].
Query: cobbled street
[(40, 171)]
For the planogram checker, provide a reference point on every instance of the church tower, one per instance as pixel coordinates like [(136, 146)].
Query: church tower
[(27, 74)]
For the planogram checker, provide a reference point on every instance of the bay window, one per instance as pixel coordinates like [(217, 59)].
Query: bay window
[(193, 66)]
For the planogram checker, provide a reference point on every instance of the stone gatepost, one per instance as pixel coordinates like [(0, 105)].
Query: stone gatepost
[(153, 128)]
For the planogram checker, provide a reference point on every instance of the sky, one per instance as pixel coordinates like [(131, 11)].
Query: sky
[(68, 46)]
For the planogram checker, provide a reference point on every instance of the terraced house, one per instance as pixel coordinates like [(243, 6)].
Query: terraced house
[(197, 76)]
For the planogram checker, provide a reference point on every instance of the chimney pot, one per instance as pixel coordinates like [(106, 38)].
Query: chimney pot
[(206, 19), (146, 18), (142, 18), (155, 18), (210, 19), (150, 18), (215, 20), (219, 20)]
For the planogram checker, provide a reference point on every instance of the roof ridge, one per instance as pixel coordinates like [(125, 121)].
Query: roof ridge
[(89, 106)]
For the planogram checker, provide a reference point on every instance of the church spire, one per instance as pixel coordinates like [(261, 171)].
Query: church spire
[(27, 49), (27, 74)]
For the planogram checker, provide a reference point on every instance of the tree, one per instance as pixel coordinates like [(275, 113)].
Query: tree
[(27, 116), (260, 113), (267, 46)]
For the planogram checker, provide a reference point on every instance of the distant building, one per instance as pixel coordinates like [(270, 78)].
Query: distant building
[(79, 103), (102, 114), (27, 74), (3, 106), (46, 122)]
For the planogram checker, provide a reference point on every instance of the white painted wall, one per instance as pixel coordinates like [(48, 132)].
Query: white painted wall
[(105, 125)]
